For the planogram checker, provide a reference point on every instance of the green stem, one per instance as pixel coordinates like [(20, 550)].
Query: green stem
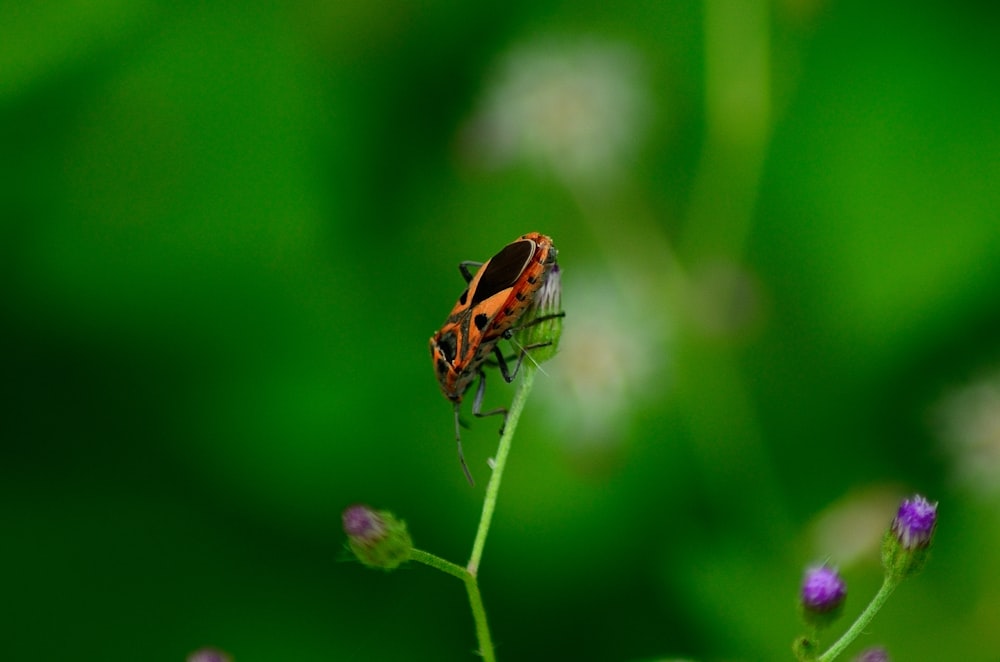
[(439, 563), (489, 504), (479, 615), (888, 586), (469, 574), (475, 598)]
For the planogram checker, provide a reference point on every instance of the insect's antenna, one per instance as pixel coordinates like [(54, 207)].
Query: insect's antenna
[(461, 455)]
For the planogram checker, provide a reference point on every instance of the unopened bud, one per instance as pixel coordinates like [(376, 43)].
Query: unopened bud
[(823, 595), (907, 542), (544, 321), (377, 538), (209, 655), (876, 654)]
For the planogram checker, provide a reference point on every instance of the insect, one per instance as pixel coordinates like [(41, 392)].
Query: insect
[(491, 308)]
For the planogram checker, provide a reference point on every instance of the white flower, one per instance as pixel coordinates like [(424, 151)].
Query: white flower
[(851, 529), (572, 108), (969, 425), (611, 360)]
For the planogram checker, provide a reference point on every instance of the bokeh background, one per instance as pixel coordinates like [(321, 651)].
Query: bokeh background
[(228, 229)]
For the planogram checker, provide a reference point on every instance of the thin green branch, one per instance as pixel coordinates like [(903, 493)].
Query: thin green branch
[(475, 598), (479, 615), (888, 586), (489, 504), (469, 574), (439, 563)]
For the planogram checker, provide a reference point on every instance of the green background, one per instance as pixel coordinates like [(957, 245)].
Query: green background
[(228, 229)]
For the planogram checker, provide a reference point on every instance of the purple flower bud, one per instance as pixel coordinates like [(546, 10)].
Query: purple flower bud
[(209, 655), (822, 597), (377, 538), (876, 654), (914, 523), (907, 543), (363, 524), (823, 590)]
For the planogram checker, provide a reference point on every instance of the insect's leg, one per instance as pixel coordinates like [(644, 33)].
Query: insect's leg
[(477, 402), (464, 268), (458, 440), (501, 361), (502, 364), (538, 320)]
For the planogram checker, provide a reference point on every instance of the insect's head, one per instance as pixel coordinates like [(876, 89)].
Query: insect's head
[(444, 349)]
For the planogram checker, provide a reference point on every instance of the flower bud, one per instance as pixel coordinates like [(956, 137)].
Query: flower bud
[(823, 595), (377, 538), (876, 654), (908, 540), (914, 523), (544, 321), (209, 654), (805, 648)]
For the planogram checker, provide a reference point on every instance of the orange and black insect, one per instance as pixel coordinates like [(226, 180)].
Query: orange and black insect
[(491, 308)]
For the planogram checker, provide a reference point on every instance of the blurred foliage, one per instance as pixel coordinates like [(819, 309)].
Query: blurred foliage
[(227, 231)]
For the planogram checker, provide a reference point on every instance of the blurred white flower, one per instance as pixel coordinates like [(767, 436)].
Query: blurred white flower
[(611, 360), (851, 529), (576, 109), (968, 422)]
